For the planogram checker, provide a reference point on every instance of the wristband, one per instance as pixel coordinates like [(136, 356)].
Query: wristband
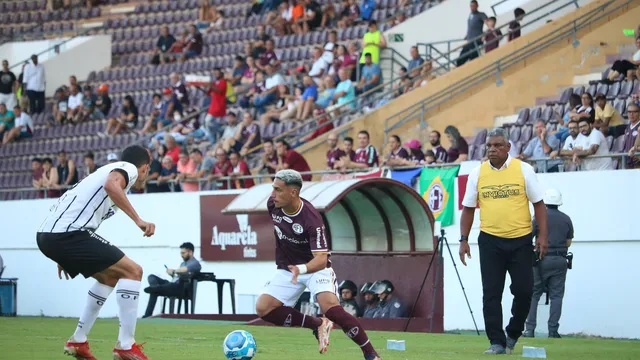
[(302, 269), (464, 238)]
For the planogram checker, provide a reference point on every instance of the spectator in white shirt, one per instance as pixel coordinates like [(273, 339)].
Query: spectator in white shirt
[(270, 95), (330, 46), (34, 78), (594, 143), (23, 127), (319, 67), (74, 104), (574, 138)]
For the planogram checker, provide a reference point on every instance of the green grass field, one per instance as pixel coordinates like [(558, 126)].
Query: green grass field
[(43, 338)]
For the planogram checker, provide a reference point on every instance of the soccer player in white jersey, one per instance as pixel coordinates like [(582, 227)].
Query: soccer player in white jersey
[(302, 259), (67, 236)]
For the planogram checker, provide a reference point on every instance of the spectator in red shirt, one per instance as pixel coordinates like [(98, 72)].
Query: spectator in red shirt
[(291, 159), (366, 155), (398, 154), (194, 44), (492, 36), (268, 57), (269, 157), (334, 153), (239, 168), (218, 106), (514, 26), (173, 149), (349, 154), (221, 169)]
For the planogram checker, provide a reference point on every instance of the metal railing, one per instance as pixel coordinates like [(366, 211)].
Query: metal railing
[(445, 57), (227, 182), (493, 70)]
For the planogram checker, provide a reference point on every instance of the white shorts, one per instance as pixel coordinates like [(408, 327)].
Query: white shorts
[(9, 100), (281, 287)]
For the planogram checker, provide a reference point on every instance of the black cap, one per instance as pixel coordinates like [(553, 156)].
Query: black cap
[(87, 88)]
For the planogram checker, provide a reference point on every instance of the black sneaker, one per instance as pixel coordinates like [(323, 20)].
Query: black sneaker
[(554, 335)]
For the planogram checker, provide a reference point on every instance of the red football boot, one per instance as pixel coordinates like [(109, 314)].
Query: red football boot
[(135, 353), (78, 350)]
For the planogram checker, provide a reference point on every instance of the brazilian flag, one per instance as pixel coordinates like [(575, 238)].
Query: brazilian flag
[(437, 187)]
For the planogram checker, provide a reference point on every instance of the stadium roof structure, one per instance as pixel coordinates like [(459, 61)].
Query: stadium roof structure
[(373, 215)]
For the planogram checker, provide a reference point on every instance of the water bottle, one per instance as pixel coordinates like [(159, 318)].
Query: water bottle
[(534, 352)]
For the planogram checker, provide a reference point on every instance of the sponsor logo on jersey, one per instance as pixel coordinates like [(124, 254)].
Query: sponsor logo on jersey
[(323, 281), (282, 236)]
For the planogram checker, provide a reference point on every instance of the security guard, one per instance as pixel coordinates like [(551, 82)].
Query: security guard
[(389, 306), (503, 187), (370, 300), (348, 292), (551, 272)]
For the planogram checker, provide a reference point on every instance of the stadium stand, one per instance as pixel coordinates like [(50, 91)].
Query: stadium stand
[(134, 38)]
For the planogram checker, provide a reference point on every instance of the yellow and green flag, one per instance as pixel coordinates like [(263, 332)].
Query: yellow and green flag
[(437, 189)]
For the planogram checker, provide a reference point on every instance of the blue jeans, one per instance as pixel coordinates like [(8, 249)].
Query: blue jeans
[(214, 127), (260, 101)]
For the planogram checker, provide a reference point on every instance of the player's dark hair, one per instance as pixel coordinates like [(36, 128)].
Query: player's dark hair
[(397, 138), (156, 95), (47, 160), (429, 153), (349, 139), (364, 132), (587, 120), (234, 152), (196, 151), (89, 155), (36, 160), (188, 246), (268, 141), (136, 155), (493, 18), (518, 12)]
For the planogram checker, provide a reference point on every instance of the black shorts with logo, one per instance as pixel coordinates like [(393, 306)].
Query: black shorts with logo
[(79, 252)]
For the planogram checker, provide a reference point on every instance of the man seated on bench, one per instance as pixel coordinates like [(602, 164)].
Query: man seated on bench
[(161, 287)]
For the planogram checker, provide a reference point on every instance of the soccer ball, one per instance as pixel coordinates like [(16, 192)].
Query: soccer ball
[(239, 345)]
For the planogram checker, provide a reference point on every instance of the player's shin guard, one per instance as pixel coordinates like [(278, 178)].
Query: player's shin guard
[(290, 317), (128, 295), (98, 294), (351, 327)]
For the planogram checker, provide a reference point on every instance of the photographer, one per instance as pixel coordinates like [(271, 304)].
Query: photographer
[(550, 273)]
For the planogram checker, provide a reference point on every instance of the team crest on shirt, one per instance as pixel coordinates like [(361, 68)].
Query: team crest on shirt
[(297, 228)]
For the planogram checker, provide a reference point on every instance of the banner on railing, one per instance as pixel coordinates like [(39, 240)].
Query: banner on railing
[(436, 187), (406, 176), (371, 174), (233, 238)]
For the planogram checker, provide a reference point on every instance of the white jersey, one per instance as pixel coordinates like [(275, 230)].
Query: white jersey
[(87, 205)]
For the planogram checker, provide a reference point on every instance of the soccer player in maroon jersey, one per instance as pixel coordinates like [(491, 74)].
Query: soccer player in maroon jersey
[(302, 258)]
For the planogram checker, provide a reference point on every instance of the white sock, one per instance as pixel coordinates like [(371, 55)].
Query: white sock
[(127, 294), (98, 294)]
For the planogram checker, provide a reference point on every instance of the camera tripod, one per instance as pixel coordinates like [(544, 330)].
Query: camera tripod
[(442, 241)]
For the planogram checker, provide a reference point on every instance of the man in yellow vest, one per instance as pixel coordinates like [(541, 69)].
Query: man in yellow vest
[(372, 42), (503, 187)]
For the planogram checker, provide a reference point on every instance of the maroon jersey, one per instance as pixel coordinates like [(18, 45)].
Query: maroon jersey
[(400, 154), (298, 236), (367, 155), (249, 130), (333, 155)]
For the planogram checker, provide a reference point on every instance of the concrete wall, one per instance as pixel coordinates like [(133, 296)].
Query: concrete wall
[(598, 296), (79, 57)]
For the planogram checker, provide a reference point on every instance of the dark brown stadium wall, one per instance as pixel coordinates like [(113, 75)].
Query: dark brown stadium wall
[(539, 75)]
